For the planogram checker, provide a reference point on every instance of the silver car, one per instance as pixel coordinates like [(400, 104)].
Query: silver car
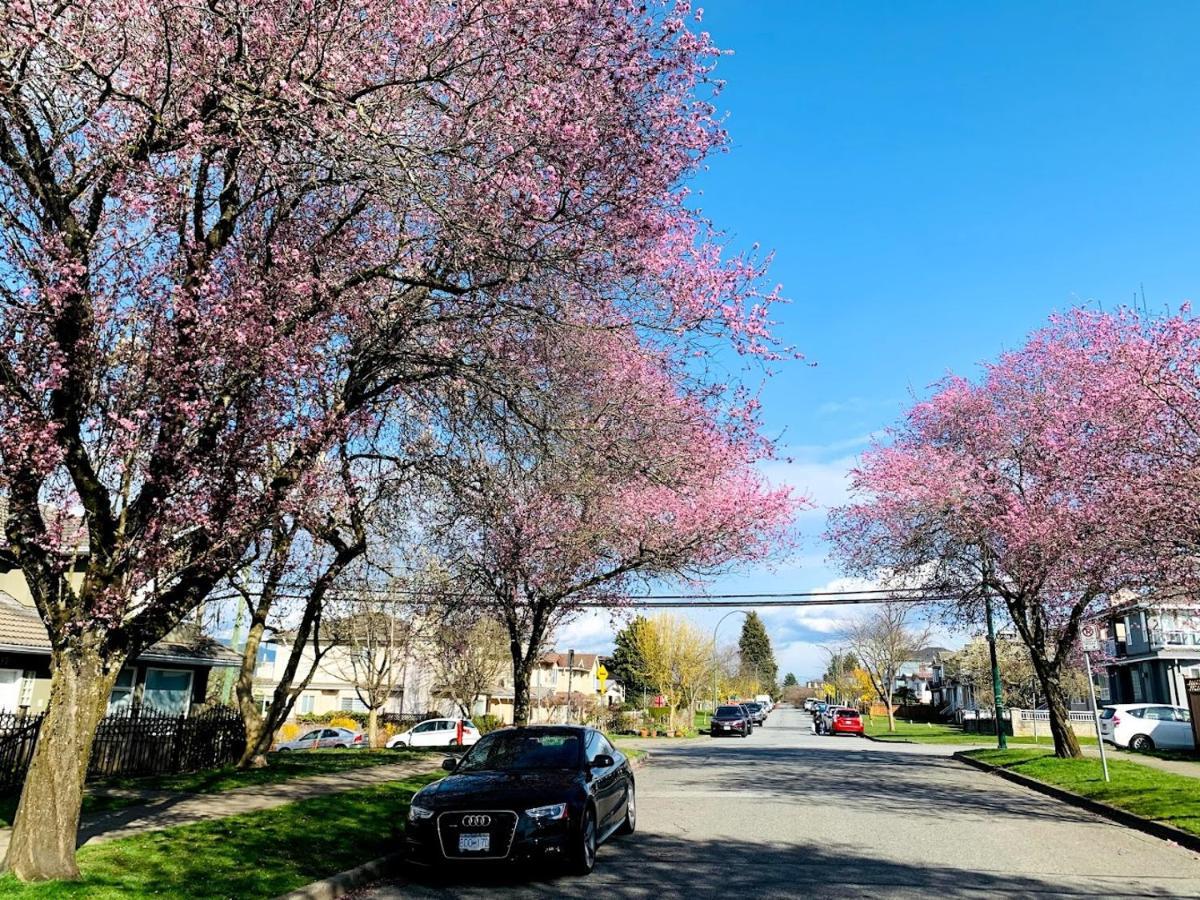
[(325, 737)]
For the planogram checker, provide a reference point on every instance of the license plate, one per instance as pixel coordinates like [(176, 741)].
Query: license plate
[(474, 843), (726, 727)]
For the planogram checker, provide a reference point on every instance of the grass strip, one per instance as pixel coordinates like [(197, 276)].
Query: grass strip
[(922, 733), (1146, 792), (283, 767), (253, 855)]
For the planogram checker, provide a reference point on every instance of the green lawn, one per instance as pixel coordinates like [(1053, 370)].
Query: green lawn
[(921, 733), (256, 855), (1150, 793), (283, 767)]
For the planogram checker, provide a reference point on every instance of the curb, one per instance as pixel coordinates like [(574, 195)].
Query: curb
[(344, 882), (875, 740), (1120, 816)]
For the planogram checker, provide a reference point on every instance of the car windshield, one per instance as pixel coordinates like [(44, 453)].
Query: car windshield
[(509, 751), (726, 711)]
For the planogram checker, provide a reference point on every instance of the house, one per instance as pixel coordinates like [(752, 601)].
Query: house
[(1151, 645), (562, 687), (916, 675), (334, 686), (170, 677)]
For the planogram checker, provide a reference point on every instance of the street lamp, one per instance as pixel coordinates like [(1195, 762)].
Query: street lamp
[(734, 612), (837, 681)]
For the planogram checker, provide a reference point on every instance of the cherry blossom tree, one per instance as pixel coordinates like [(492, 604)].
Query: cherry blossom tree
[(1053, 483), (227, 230), (628, 477)]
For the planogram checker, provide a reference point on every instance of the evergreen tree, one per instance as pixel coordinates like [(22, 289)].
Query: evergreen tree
[(758, 659), (789, 680), (626, 664)]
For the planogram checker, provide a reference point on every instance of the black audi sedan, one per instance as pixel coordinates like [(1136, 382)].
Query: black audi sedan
[(729, 720), (543, 792)]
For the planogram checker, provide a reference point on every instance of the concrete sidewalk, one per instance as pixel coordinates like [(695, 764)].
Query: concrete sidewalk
[(164, 810), (1174, 766)]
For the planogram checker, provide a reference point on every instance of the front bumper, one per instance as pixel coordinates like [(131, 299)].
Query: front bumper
[(428, 843)]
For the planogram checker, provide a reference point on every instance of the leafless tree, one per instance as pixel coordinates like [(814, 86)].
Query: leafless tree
[(884, 640), (471, 654)]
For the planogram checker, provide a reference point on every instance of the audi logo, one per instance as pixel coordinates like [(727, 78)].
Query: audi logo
[(476, 821)]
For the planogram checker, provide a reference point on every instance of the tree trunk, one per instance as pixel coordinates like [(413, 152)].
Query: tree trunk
[(46, 826), (1066, 745), (373, 727), (891, 714), (252, 757), (521, 673)]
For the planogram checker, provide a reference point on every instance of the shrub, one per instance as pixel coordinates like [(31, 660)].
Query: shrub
[(289, 732), (487, 723), (344, 722)]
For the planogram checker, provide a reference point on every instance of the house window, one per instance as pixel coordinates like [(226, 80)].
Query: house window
[(266, 653), (353, 704), (10, 689), (168, 691), (306, 703), (121, 698)]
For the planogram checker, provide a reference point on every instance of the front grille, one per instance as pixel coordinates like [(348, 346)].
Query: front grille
[(501, 827)]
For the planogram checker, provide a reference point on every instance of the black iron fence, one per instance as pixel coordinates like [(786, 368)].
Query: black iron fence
[(137, 742)]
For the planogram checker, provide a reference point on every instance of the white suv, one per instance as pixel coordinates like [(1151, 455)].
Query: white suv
[(1144, 726)]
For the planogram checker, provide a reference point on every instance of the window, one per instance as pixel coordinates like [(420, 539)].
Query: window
[(306, 703), (424, 727), (168, 691), (352, 704), (266, 653), (121, 698), (311, 736), (1161, 713), (10, 689), (330, 733)]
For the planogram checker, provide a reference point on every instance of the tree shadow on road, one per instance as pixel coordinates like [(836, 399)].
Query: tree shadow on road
[(652, 866)]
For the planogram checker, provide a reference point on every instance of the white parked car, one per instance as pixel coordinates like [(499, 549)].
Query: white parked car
[(1144, 726), (325, 737), (435, 733)]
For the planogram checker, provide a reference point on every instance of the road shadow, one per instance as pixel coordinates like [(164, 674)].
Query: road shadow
[(653, 866)]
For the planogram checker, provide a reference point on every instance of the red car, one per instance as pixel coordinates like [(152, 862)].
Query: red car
[(846, 721)]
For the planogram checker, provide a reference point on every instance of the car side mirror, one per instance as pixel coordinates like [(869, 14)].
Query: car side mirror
[(602, 761), (450, 763)]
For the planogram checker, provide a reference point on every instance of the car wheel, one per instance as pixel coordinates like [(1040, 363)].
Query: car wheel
[(583, 860), (1141, 742), (399, 745), (339, 746), (285, 750), (630, 823)]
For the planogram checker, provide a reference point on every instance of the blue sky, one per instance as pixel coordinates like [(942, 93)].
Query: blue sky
[(935, 179)]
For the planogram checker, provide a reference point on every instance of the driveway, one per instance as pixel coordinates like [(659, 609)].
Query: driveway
[(786, 813)]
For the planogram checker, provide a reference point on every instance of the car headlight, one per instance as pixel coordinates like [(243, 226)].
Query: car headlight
[(554, 811), (417, 813)]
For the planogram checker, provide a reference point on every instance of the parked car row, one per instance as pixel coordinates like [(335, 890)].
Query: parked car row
[(1146, 726), (739, 719), (430, 733), (831, 719)]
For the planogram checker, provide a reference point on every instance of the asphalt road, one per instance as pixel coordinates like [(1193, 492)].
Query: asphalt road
[(786, 813)]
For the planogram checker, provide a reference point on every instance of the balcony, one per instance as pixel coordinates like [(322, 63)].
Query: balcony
[(1174, 639)]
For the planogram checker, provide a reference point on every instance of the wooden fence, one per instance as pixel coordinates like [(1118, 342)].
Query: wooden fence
[(133, 743)]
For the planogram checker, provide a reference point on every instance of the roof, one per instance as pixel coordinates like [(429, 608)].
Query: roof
[(583, 661), (68, 529), (22, 631)]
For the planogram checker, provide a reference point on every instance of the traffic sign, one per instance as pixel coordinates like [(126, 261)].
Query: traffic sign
[(602, 676), (1089, 637)]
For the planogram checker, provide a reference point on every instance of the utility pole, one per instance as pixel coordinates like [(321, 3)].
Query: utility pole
[(997, 690)]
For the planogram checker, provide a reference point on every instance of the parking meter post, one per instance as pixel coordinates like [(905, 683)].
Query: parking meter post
[(1087, 661)]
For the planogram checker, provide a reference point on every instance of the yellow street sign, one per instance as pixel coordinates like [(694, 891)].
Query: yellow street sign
[(602, 675)]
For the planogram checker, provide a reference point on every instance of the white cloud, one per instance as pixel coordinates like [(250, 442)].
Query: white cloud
[(591, 631)]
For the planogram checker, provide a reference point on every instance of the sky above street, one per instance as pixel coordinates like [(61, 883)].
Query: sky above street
[(935, 180)]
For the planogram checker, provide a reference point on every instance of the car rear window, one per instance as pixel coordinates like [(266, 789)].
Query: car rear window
[(847, 714), (1108, 712)]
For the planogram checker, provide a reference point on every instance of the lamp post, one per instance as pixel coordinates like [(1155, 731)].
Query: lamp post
[(837, 686), (733, 612)]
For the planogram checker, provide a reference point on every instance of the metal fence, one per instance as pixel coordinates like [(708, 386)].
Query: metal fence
[(136, 742)]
